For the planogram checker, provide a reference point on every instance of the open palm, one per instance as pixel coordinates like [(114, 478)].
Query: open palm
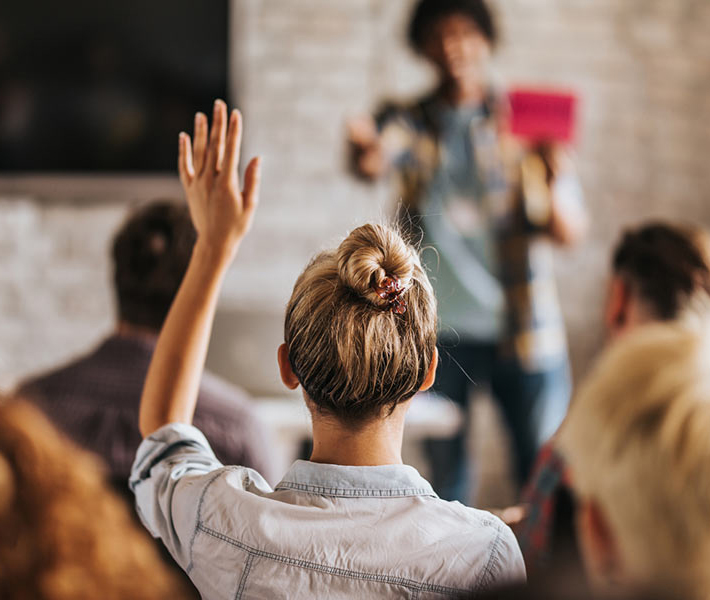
[(221, 212)]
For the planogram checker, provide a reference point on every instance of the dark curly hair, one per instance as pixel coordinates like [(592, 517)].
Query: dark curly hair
[(428, 12), (665, 265), (150, 255)]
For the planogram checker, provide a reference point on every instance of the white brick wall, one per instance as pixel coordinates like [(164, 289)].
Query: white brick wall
[(302, 66)]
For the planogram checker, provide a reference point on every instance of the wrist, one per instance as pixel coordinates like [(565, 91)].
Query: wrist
[(212, 256)]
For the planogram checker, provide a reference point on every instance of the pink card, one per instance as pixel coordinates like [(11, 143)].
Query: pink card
[(540, 115)]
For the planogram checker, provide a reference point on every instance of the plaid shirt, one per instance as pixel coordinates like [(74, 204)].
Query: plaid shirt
[(550, 476), (534, 328)]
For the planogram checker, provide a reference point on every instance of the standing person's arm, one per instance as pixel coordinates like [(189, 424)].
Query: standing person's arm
[(569, 220), (222, 215), (379, 144), (368, 156), (552, 194)]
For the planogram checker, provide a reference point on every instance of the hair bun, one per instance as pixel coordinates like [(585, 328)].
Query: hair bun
[(368, 255)]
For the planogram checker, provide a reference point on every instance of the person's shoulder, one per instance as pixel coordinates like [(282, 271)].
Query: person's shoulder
[(73, 374), (52, 374), (482, 528), (49, 382), (231, 485), (410, 110), (473, 517)]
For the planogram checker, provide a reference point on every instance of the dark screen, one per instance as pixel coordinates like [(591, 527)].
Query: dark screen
[(106, 86)]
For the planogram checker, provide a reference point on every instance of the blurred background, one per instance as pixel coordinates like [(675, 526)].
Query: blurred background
[(298, 69)]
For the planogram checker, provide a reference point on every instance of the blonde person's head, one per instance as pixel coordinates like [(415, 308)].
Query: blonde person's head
[(63, 533), (354, 356), (637, 440)]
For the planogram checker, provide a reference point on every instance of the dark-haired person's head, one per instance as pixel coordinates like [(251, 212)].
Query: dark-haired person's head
[(150, 253), (456, 35), (658, 272)]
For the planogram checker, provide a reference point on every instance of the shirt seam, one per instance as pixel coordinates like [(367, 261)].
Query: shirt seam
[(331, 570), (353, 492), (245, 574), (191, 564), (493, 561)]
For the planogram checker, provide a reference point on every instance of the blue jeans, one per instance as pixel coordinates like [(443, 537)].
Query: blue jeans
[(533, 406)]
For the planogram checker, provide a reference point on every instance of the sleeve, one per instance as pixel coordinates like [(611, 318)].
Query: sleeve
[(398, 132), (172, 469)]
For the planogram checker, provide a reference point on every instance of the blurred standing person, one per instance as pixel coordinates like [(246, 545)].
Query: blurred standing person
[(95, 399), (500, 321)]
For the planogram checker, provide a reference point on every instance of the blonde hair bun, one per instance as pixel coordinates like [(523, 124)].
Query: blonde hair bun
[(368, 255), (355, 360)]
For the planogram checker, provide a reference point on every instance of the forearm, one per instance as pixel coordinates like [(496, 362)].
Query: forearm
[(172, 384), (222, 216)]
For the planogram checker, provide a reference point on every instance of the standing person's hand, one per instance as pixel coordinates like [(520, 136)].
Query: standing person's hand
[(369, 158), (221, 213), (566, 214)]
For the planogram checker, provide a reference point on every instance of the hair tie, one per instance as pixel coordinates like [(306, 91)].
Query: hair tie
[(391, 290)]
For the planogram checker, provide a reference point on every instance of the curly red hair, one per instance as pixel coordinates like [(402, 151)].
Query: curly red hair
[(63, 534)]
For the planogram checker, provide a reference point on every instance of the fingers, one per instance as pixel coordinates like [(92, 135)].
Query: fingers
[(215, 151), (234, 142), (200, 142), (185, 166), (362, 131), (252, 181)]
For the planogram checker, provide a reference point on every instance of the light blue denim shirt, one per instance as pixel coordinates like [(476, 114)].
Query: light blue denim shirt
[(325, 531)]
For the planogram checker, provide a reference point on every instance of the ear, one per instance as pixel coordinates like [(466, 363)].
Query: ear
[(616, 314), (431, 374), (598, 546), (287, 375)]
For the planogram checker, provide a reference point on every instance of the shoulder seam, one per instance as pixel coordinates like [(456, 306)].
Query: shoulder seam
[(411, 584), (198, 520), (493, 561)]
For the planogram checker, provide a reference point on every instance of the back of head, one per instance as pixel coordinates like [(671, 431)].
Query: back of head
[(150, 254), (428, 12), (354, 355), (665, 266), (637, 439), (63, 534)]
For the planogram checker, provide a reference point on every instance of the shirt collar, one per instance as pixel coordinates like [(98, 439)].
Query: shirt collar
[(350, 482)]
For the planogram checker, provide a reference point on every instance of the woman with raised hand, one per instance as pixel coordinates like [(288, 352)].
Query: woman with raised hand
[(360, 339)]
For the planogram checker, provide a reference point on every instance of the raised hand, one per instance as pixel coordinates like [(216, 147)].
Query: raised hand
[(222, 213)]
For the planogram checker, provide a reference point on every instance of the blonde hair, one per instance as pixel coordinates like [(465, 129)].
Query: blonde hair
[(637, 439), (353, 356), (63, 533)]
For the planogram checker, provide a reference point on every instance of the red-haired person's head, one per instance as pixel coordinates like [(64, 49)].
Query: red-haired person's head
[(63, 534)]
